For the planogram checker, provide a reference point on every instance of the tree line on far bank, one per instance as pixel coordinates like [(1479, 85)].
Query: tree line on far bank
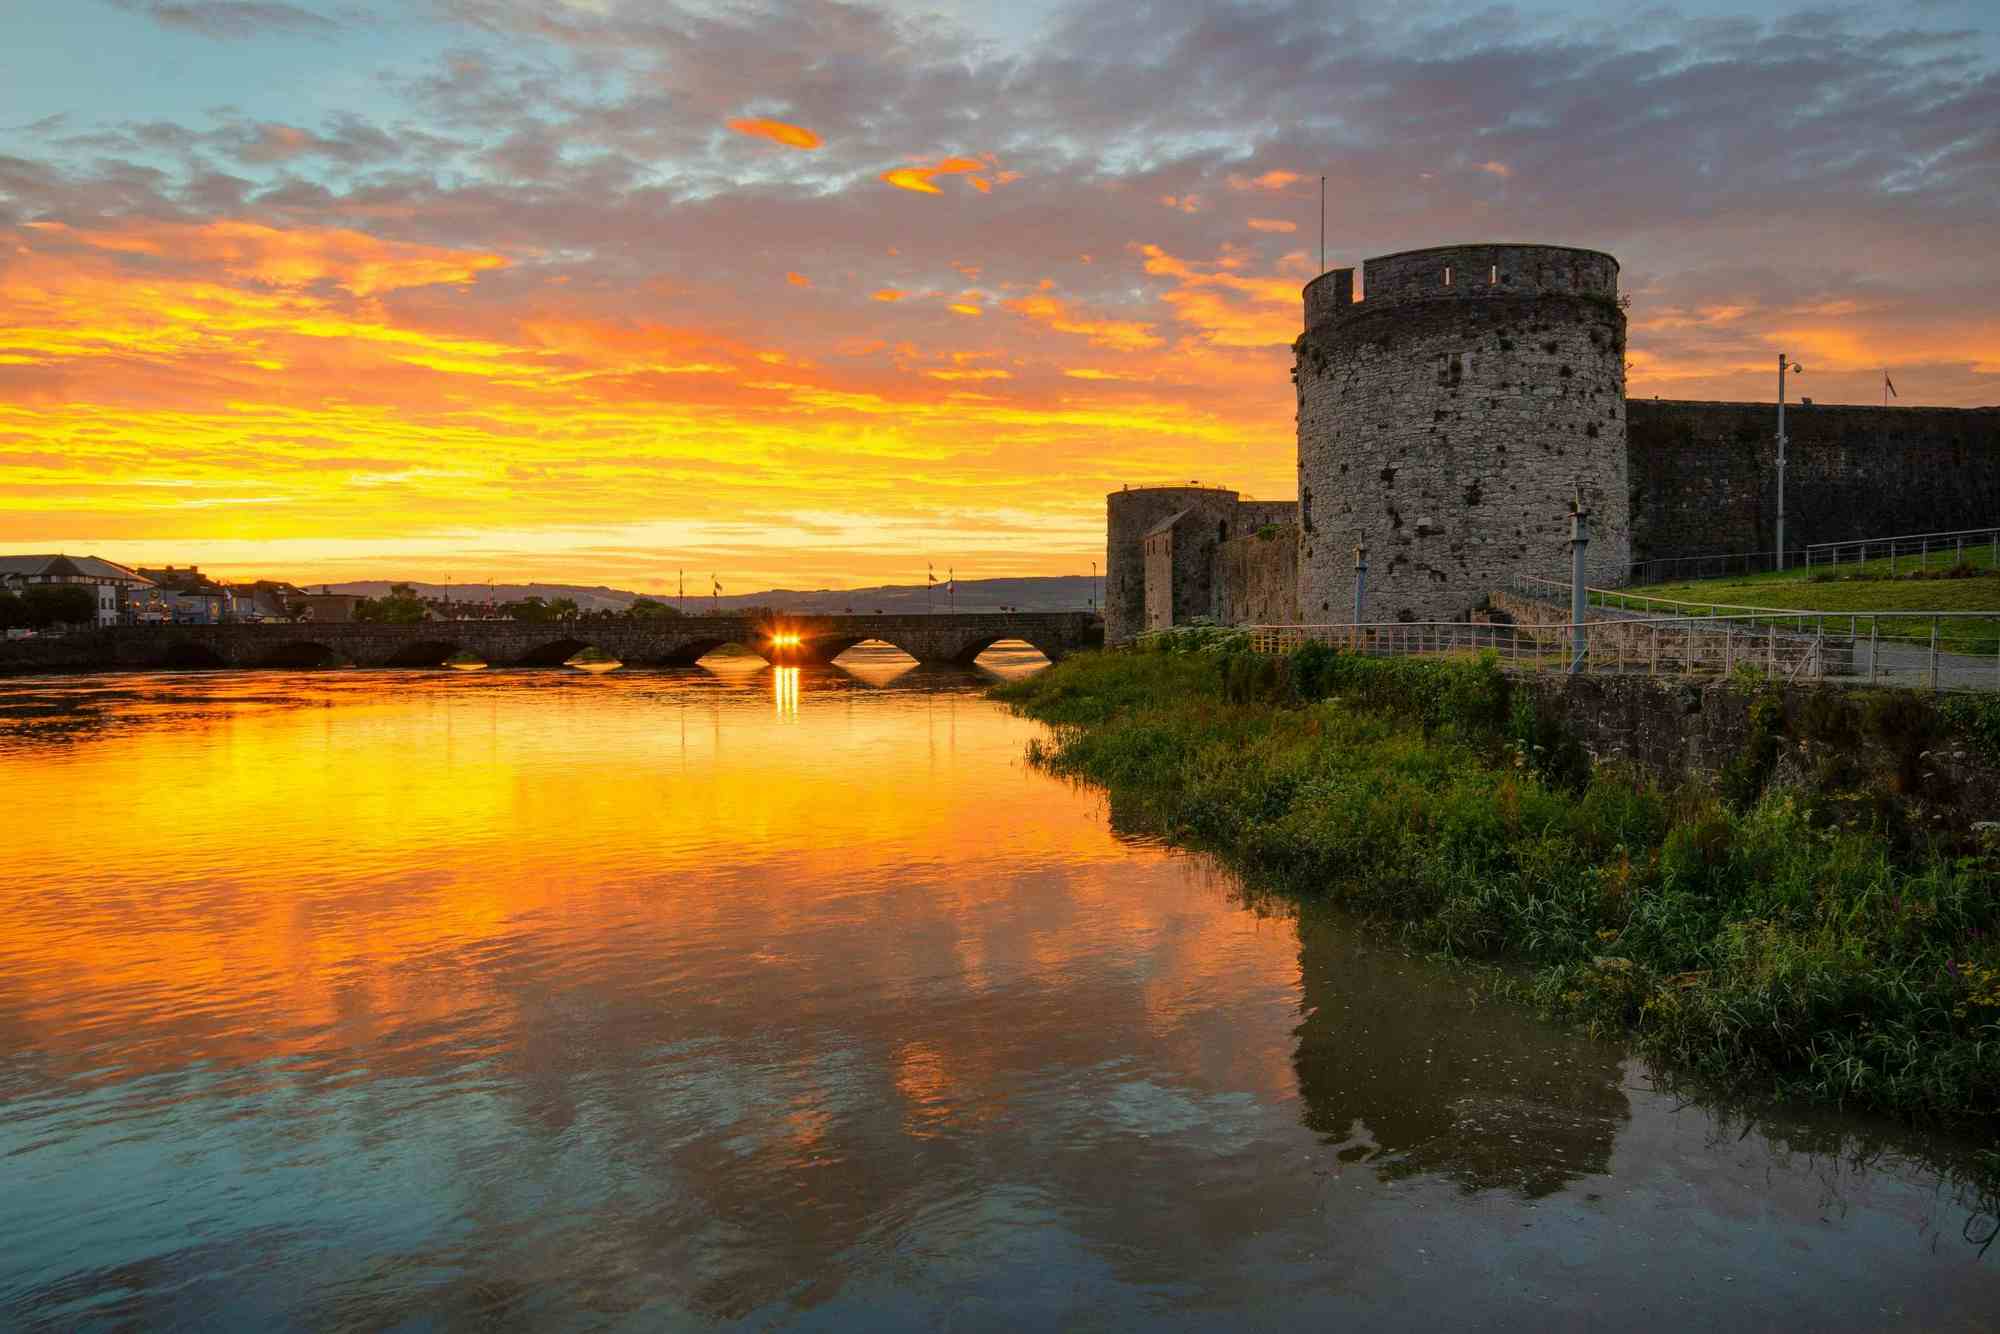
[(40, 606), (401, 605)]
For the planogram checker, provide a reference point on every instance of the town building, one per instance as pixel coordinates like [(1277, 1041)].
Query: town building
[(113, 585)]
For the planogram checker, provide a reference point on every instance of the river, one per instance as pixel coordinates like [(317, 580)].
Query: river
[(735, 996)]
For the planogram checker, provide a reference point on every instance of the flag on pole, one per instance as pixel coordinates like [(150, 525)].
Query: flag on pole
[(1889, 385)]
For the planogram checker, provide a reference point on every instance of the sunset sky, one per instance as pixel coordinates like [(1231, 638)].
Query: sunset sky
[(810, 294)]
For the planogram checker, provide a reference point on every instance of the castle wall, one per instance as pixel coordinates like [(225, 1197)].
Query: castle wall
[(1260, 577), (1704, 475), (1252, 515), (1129, 515), (1159, 581), (1447, 423)]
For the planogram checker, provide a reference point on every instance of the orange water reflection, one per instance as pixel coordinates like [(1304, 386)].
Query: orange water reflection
[(720, 992)]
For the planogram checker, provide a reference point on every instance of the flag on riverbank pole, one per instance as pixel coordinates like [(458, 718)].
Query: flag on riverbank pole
[(1888, 388), (715, 592), (930, 584)]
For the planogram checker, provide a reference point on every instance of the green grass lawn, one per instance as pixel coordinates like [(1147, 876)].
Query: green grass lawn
[(1844, 599)]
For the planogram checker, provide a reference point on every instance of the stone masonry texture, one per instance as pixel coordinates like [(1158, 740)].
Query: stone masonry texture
[(1704, 475), (1446, 420)]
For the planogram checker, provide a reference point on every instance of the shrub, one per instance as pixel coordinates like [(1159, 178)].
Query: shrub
[(1734, 937)]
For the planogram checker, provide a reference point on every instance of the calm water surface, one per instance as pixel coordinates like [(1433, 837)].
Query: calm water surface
[(745, 997)]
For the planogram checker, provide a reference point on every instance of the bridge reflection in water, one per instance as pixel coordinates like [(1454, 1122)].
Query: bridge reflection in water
[(785, 691)]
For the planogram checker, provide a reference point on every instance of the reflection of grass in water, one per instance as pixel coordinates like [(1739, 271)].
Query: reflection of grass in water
[(1764, 945)]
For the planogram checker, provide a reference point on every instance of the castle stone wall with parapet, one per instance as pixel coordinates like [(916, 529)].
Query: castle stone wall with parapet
[(1129, 515), (1446, 419), (1704, 475)]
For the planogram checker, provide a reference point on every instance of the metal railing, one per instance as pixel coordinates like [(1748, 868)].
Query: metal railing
[(1904, 551), (1885, 648), (1674, 569), (1942, 649), (1919, 549)]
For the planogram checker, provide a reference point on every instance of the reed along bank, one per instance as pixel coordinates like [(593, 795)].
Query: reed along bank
[(1818, 938)]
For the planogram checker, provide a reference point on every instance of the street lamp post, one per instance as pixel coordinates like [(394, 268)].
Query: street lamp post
[(1579, 600), (1784, 363), (1360, 578)]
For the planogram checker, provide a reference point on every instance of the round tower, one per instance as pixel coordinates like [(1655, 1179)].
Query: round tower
[(1128, 516), (1446, 420)]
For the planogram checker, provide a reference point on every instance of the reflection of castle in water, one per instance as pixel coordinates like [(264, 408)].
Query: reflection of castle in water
[(1401, 1069)]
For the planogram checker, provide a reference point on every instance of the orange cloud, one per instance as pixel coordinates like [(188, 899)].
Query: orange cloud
[(777, 131), (964, 309), (1231, 310), (918, 178), (1123, 335), (1182, 203), (296, 257), (887, 294), (1270, 180), (798, 279), (1272, 225), (1500, 169), (988, 374)]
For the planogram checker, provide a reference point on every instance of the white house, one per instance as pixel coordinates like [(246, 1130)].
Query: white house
[(114, 585)]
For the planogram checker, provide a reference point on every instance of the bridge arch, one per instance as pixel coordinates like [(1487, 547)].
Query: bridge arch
[(884, 641), (299, 655), (189, 655), (1008, 640), (555, 652), (423, 653), (694, 650)]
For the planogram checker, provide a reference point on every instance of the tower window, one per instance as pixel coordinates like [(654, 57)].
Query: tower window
[(1493, 275), (1447, 275)]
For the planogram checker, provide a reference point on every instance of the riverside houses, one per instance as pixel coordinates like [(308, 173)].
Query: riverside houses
[(115, 586)]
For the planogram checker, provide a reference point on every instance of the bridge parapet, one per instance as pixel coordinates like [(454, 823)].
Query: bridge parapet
[(671, 641)]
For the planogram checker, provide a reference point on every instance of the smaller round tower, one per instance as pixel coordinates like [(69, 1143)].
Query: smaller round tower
[(1129, 516)]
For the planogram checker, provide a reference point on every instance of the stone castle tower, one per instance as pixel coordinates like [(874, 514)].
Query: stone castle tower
[(1446, 419)]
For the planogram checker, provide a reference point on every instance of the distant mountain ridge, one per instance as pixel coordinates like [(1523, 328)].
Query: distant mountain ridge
[(1062, 592)]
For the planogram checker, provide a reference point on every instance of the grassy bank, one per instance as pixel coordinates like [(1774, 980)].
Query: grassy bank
[(1852, 592), (1736, 941)]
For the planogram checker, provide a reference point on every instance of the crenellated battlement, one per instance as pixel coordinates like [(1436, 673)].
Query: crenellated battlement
[(1461, 273)]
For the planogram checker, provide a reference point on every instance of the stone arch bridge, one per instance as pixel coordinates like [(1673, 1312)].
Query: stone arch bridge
[(666, 642)]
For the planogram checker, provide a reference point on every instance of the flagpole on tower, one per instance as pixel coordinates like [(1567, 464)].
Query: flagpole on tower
[(1322, 224)]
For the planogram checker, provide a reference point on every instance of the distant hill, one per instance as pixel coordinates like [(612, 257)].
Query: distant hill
[(1066, 592)]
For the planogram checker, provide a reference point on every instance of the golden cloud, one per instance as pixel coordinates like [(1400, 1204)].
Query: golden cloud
[(1270, 180), (296, 257), (777, 131), (798, 279), (1272, 225), (1123, 335), (918, 178)]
